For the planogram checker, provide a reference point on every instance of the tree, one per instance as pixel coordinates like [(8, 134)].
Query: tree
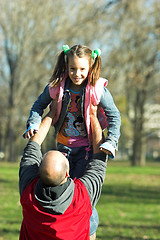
[(29, 41), (31, 34), (135, 60)]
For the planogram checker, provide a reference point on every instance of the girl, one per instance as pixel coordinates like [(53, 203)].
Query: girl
[(76, 82)]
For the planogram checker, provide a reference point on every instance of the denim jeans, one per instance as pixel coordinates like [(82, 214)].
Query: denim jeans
[(78, 158), (94, 221)]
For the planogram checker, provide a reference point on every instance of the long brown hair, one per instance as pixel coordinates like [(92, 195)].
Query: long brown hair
[(80, 51)]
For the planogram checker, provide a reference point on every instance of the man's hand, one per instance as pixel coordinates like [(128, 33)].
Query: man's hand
[(97, 134), (53, 108), (93, 114), (105, 151), (93, 110)]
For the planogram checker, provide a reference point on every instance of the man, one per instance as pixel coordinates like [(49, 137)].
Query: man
[(55, 206)]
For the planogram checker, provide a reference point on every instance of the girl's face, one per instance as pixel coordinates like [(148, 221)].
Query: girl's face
[(78, 69)]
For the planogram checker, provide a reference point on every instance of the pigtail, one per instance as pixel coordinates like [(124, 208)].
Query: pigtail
[(95, 71), (59, 70)]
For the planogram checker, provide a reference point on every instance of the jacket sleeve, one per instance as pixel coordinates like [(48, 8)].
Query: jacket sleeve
[(94, 177), (38, 107), (113, 119), (29, 165)]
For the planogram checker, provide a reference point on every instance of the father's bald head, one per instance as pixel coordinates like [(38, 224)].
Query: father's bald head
[(54, 168)]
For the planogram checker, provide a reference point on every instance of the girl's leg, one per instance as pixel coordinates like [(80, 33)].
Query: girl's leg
[(94, 221), (66, 151), (93, 237), (80, 157)]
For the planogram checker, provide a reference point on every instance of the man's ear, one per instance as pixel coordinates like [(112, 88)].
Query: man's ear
[(67, 174)]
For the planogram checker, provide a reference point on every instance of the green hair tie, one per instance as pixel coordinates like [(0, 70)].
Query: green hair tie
[(65, 49), (96, 53)]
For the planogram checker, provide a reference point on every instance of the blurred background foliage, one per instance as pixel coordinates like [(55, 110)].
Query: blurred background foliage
[(127, 32)]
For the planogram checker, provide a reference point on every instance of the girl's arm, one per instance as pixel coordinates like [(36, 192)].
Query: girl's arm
[(114, 123), (36, 113)]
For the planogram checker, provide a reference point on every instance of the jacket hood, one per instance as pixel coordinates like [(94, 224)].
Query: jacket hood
[(55, 199)]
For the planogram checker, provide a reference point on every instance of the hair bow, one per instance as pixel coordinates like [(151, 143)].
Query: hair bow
[(96, 53), (65, 49)]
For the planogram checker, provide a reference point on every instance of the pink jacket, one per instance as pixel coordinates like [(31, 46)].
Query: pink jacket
[(91, 93)]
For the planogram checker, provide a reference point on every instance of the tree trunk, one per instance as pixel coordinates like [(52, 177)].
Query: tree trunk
[(136, 150), (143, 152), (11, 137), (139, 151), (10, 148)]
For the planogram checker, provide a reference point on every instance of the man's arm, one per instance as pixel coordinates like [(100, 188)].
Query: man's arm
[(43, 129), (32, 153), (96, 169), (97, 134)]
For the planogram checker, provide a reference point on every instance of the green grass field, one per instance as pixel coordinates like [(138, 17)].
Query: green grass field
[(129, 207)]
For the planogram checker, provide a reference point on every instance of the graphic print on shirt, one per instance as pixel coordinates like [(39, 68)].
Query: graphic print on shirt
[(73, 125)]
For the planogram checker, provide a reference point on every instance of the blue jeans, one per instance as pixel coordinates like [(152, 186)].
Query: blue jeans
[(94, 221), (78, 158)]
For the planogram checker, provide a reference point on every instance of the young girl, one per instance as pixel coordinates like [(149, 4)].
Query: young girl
[(76, 81)]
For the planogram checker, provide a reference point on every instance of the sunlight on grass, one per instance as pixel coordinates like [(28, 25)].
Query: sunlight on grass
[(129, 205), (10, 209)]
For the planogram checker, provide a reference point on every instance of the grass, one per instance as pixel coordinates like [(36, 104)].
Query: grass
[(129, 207), (10, 209)]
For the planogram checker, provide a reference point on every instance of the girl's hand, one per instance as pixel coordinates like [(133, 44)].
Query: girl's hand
[(30, 133)]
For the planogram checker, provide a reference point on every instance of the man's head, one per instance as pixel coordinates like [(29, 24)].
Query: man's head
[(54, 169)]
